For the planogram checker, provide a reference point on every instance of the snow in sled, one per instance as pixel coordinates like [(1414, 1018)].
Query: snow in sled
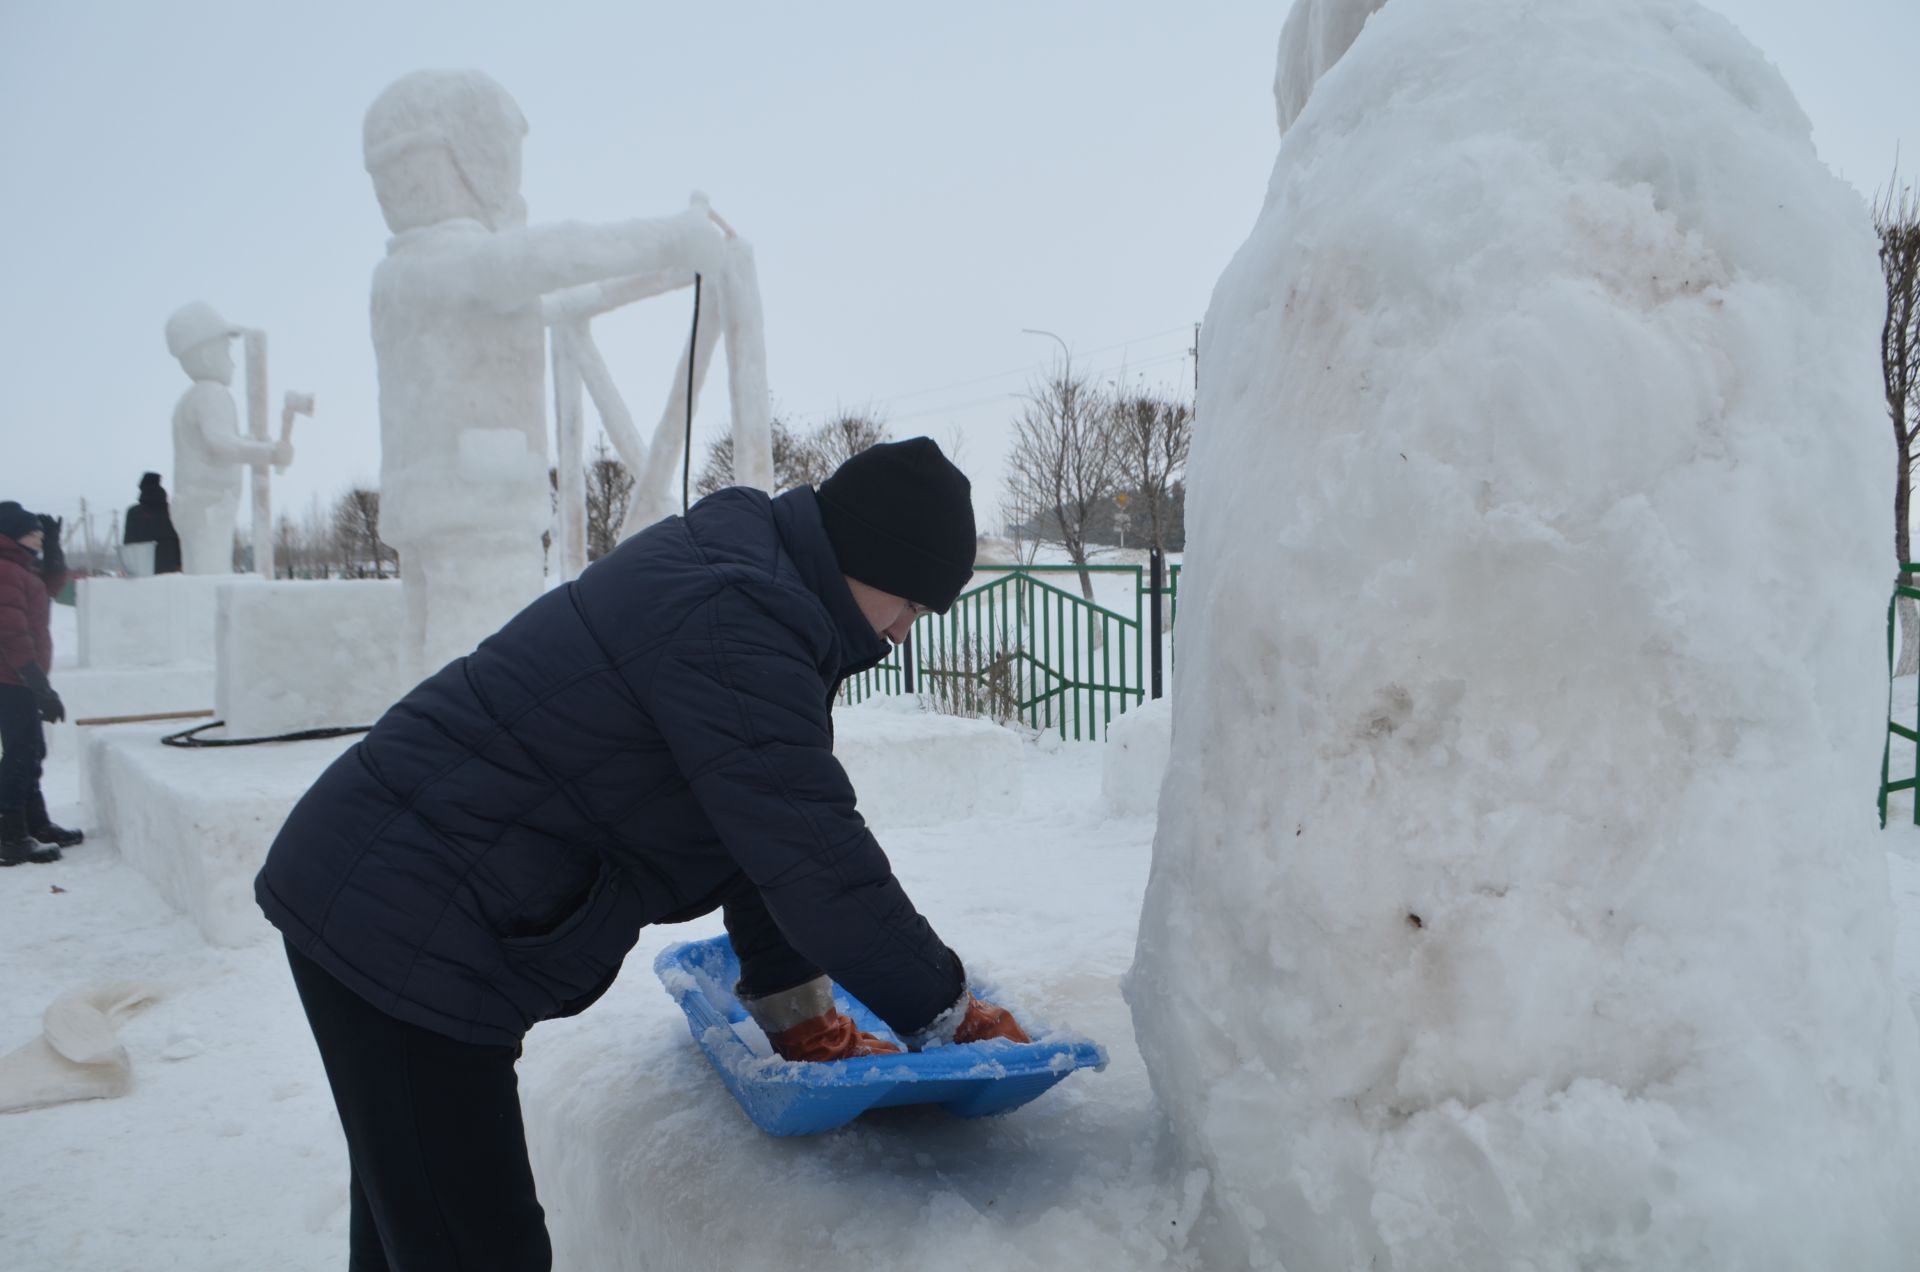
[(785, 1098)]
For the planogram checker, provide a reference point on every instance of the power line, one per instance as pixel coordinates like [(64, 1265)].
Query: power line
[(946, 408), (1023, 369)]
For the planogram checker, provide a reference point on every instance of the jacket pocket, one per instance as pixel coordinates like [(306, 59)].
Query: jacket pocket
[(581, 923)]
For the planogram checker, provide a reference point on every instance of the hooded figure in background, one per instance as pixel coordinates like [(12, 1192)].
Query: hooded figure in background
[(32, 570), (149, 522)]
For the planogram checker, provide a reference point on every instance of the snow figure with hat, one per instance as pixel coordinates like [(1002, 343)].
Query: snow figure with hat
[(459, 335), (32, 569), (210, 453), (646, 745)]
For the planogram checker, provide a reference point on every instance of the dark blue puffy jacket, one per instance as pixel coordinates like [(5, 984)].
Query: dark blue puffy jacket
[(640, 746)]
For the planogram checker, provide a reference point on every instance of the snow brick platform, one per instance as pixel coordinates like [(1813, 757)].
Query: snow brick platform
[(152, 622), (198, 822), (306, 655)]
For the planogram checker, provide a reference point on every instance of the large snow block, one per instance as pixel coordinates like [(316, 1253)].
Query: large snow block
[(153, 622), (1138, 744), (198, 822), (305, 655), (913, 767), (1531, 839)]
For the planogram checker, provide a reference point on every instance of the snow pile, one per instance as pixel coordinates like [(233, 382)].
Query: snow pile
[(1523, 797), (914, 767), (1136, 759)]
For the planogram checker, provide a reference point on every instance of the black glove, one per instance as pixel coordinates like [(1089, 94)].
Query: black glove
[(52, 558), (52, 710)]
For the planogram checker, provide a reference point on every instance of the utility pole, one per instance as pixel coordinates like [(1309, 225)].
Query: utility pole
[(1195, 351)]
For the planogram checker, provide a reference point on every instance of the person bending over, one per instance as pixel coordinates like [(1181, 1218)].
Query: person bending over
[(643, 745)]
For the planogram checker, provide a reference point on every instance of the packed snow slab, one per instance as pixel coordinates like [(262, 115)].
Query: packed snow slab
[(198, 822), (787, 1098), (151, 622), (1135, 759), (1521, 794), (306, 655), (644, 1161), (914, 767)]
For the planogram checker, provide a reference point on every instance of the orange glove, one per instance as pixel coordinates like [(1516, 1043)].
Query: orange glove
[(829, 1037), (984, 1021)]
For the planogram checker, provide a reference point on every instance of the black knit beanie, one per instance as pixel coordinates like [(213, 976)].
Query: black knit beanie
[(900, 518), (16, 522)]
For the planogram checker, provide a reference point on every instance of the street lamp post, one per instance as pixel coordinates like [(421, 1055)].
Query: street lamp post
[(1066, 354)]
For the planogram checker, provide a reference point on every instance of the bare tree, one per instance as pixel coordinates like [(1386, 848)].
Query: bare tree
[(356, 534), (799, 459), (717, 472), (1896, 216), (1151, 436), (832, 443), (1063, 464), (609, 488)]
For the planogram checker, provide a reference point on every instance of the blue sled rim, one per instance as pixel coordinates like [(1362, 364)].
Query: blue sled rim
[(783, 1098)]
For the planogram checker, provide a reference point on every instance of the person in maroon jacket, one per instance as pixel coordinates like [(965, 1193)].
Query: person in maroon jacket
[(32, 569)]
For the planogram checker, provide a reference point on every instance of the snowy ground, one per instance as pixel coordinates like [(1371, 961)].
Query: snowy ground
[(226, 1155)]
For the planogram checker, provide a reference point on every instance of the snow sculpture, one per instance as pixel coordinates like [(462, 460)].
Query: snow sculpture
[(1516, 900), (458, 327), (209, 452), (729, 305)]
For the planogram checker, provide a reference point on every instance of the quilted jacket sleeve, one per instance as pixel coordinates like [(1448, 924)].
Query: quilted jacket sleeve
[(17, 647), (738, 695)]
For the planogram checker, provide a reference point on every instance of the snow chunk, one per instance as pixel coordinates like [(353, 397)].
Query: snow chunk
[(1136, 759)]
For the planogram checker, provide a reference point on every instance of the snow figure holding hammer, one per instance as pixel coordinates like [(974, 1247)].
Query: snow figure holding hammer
[(209, 451), (459, 334)]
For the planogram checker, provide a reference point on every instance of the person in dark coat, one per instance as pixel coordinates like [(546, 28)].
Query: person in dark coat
[(32, 569), (149, 521), (643, 745)]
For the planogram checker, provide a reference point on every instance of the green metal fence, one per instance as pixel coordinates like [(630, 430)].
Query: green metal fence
[(1894, 728), (1024, 645)]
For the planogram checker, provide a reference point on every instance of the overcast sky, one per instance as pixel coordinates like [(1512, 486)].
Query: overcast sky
[(920, 184)]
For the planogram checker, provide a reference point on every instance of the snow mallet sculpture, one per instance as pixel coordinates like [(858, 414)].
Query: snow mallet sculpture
[(458, 331)]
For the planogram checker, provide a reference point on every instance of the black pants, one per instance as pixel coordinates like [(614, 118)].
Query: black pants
[(438, 1151), (23, 744)]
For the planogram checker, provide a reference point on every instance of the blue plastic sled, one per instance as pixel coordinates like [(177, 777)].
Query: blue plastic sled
[(784, 1098)]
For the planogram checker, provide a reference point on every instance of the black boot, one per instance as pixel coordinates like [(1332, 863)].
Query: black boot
[(17, 847), (44, 830)]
